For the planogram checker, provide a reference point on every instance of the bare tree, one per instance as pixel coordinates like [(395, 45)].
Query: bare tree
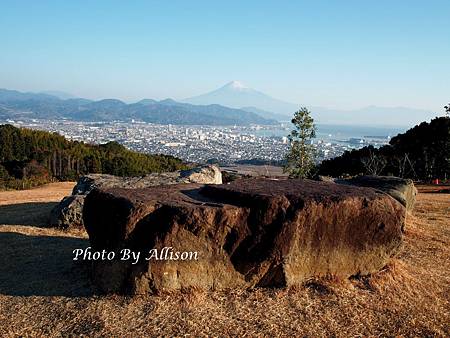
[(400, 163), (404, 166), (374, 164)]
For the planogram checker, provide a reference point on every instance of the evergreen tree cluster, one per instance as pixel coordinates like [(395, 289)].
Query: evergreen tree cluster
[(421, 153), (31, 157)]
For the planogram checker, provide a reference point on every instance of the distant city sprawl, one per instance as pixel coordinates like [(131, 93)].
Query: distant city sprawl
[(226, 144)]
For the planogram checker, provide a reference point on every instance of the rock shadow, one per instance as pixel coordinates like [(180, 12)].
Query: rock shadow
[(31, 214), (33, 265)]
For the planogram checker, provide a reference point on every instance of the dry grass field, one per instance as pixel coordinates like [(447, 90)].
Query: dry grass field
[(32, 207), (43, 293)]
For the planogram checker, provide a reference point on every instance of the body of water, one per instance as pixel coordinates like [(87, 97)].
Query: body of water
[(338, 132)]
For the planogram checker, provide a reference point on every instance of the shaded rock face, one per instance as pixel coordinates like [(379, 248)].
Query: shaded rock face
[(403, 190), (249, 233), (68, 212)]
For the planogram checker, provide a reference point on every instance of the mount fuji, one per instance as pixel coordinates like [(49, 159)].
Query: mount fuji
[(236, 95)]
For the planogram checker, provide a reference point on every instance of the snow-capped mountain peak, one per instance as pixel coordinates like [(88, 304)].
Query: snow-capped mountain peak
[(237, 85), (237, 95)]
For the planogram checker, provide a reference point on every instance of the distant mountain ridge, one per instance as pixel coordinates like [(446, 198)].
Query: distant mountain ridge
[(59, 94), (267, 114), (237, 95), (16, 105), (232, 104)]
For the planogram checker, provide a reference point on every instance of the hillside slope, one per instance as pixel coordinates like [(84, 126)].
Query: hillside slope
[(29, 157)]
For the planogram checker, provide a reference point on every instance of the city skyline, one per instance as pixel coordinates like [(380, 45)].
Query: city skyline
[(338, 55)]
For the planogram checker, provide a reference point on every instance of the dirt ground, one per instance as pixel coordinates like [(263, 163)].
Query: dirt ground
[(43, 293)]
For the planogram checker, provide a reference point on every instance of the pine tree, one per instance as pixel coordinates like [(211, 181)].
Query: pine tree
[(300, 159)]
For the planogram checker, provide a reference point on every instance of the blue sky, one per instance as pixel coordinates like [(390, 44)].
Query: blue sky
[(342, 54)]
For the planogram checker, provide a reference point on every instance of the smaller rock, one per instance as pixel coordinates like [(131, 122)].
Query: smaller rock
[(403, 190), (68, 212), (88, 182), (322, 178), (210, 174)]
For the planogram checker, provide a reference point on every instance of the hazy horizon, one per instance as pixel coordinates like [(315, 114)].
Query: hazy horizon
[(68, 95), (335, 54)]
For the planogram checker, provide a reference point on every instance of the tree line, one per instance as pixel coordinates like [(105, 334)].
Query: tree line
[(32, 157), (421, 153)]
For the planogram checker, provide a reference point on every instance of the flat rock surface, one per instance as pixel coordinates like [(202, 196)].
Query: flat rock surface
[(253, 232), (403, 190), (209, 174)]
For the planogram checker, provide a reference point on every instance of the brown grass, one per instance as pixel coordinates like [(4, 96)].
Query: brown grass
[(31, 207), (42, 293), (52, 192)]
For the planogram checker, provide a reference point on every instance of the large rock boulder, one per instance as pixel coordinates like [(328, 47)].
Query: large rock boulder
[(249, 233), (68, 213), (403, 190)]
